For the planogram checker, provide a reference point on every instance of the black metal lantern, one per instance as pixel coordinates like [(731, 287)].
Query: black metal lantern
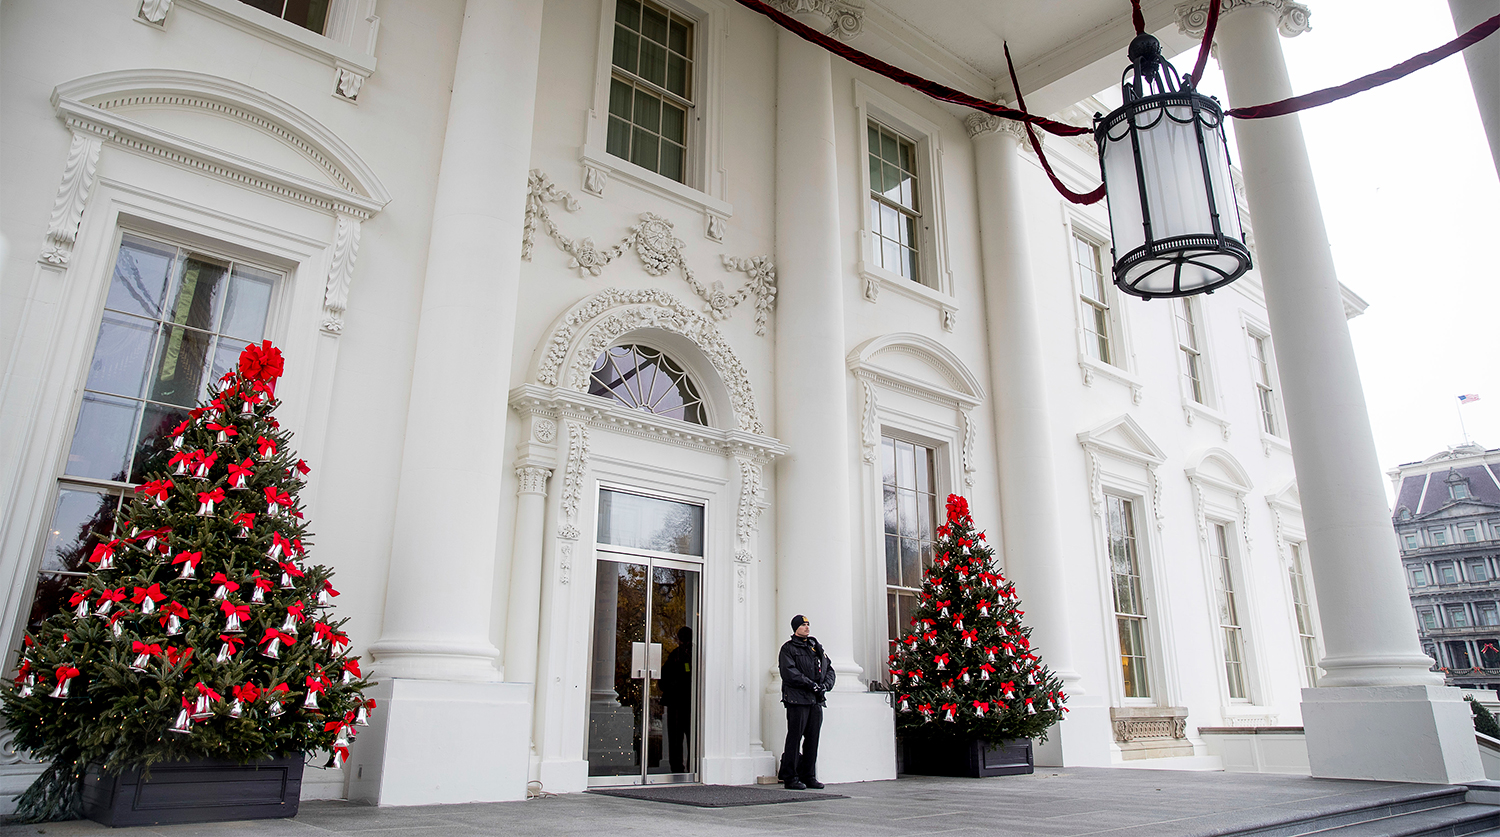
[(1165, 164)]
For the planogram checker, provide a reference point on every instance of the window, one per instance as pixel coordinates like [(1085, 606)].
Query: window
[(651, 88), (910, 504), (1306, 632), (1266, 393), (1130, 606), (643, 378), (1405, 513), (1097, 333), (1488, 613), (1477, 571), (1469, 534), (1438, 537), (1429, 619), (1187, 344), (895, 214), (1419, 577), (308, 14), (1229, 613), (1489, 652), (174, 321), (1411, 541), (1458, 490), (1457, 616), (1458, 656), (1447, 574)]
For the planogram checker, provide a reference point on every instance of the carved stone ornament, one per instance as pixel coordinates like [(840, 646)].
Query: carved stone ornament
[(155, 11), (713, 226), (595, 178), (845, 20), (9, 754), (340, 273), (593, 325), (970, 435), (347, 84), (978, 123), (752, 503), (572, 492), (869, 426), (872, 288), (565, 563), (72, 194), (1292, 18), (655, 242), (950, 318), (544, 430), (741, 581), (533, 480)]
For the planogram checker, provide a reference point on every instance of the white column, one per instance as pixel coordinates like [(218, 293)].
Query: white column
[(1023, 422), (813, 576), (815, 549), (1377, 677), (1483, 60), (448, 731), (526, 575)]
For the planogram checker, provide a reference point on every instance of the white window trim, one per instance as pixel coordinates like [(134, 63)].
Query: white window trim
[(705, 186), (1210, 408), (1132, 473), (348, 47), (1078, 225), (1254, 328), (937, 289)]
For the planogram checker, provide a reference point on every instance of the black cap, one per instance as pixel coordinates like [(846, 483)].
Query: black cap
[(798, 621)]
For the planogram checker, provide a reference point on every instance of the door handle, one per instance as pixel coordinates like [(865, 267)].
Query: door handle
[(645, 661)]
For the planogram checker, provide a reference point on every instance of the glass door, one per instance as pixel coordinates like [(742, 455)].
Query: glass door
[(643, 724)]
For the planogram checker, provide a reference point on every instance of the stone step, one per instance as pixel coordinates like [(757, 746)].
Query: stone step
[(1449, 821), (1383, 807)]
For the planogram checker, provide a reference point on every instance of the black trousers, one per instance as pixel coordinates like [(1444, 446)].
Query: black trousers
[(799, 758), (679, 722)]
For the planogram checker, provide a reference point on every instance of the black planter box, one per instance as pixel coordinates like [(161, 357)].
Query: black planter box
[(205, 790), (965, 757)]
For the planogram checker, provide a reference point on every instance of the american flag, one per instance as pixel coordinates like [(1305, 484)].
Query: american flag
[(1465, 399)]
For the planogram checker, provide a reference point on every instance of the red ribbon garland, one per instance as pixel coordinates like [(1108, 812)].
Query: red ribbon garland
[(1036, 145)]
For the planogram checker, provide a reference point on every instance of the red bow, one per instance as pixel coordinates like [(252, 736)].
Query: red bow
[(267, 447), (234, 642), (139, 647), (1009, 688), (972, 636), (925, 709), (232, 609), (243, 471), (303, 467), (249, 693), (182, 458), (316, 684), (328, 586), (958, 621), (291, 569), (117, 595), (173, 609), (205, 461), (66, 672), (296, 611), (262, 583), (278, 545), (261, 363), (226, 429), (155, 490), (981, 707), (79, 597), (189, 557), (323, 631), (215, 496), (181, 428), (333, 726), (103, 552), (229, 586), (352, 667), (205, 690), (178, 655), (245, 520), (148, 534), (941, 660), (272, 633)]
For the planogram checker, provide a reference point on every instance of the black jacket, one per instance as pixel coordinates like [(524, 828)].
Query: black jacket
[(804, 666)]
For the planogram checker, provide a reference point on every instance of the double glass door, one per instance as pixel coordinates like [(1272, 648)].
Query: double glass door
[(643, 725)]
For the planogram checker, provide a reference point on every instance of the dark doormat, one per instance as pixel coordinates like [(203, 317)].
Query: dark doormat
[(716, 796)]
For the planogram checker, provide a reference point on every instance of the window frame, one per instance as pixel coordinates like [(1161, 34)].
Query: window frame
[(1303, 613), (1079, 226), (934, 286), (1233, 652), (1428, 618), (636, 82), (704, 187), (1130, 505), (1438, 537), (1419, 577), (936, 486)]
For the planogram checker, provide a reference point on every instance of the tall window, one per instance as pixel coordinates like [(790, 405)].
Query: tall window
[(174, 321), (910, 504), (1306, 634), (1489, 615), (643, 378), (1429, 618), (1192, 356), (1457, 616), (1229, 614), (1489, 651), (1458, 656), (1439, 537), (651, 89), (1097, 334), (894, 212), (1263, 387), (1130, 606), (308, 14)]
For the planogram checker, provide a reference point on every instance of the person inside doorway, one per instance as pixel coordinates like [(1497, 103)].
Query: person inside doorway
[(677, 697), (806, 676)]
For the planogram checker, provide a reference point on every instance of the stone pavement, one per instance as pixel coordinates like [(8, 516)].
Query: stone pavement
[(1056, 801)]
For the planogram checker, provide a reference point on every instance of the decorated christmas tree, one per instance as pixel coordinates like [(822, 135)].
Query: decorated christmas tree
[(966, 669), (202, 629)]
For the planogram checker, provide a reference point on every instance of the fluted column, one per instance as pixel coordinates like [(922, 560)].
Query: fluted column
[(814, 575), (1369, 631), (1023, 421), (526, 574), (1483, 60), (437, 609)]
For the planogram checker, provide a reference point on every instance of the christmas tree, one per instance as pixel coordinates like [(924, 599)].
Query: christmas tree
[(967, 668), (201, 630)]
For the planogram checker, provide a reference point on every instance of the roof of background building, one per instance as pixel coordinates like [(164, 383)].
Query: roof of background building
[(1424, 485)]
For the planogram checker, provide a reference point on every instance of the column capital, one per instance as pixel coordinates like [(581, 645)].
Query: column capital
[(978, 124), (1292, 18), (845, 20), (533, 479)]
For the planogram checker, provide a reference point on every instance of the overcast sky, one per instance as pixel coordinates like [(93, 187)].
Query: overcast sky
[(1412, 204)]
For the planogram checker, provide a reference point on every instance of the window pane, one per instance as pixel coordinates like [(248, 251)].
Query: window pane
[(226, 355), (102, 439), (888, 460), (628, 12), (122, 354), (643, 150), (654, 24), (620, 96), (647, 111), (309, 14), (906, 499), (888, 149), (632, 520), (673, 123), (911, 563), (892, 183), (677, 38), (906, 465), (653, 61), (152, 447), (626, 49), (81, 516), (892, 559), (248, 303), (139, 283), (180, 366), (618, 142), (677, 75), (52, 594), (198, 290)]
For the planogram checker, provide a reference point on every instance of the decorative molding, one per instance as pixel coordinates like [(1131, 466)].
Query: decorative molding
[(752, 503), (741, 580), (1292, 18), (960, 387), (845, 20), (713, 226), (872, 288), (655, 242), (977, 124), (533, 479), (1239, 499), (340, 273), (1154, 479), (72, 194), (9, 754), (87, 105), (155, 11), (544, 430), (950, 317), (347, 83), (1096, 483), (969, 464), (565, 562), (869, 425), (572, 492), (591, 326), (595, 178)]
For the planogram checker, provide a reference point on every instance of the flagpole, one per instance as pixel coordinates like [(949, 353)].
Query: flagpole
[(1459, 405)]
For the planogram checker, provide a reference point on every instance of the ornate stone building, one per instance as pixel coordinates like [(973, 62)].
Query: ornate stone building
[(609, 318)]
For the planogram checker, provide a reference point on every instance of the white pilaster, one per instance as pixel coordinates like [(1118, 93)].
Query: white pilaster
[(1483, 60), (526, 574), (1027, 466), (1373, 656), (440, 588)]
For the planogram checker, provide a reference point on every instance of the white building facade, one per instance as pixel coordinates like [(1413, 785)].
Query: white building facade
[(605, 319)]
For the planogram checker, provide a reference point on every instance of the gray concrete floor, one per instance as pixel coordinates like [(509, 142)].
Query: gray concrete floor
[(1067, 802)]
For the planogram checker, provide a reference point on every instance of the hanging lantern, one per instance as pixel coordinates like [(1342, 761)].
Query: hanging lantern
[(1165, 164)]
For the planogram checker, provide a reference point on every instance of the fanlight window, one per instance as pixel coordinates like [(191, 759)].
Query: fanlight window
[(646, 379)]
